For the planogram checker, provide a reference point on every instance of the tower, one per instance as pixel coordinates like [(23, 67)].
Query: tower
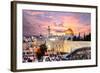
[(49, 31), (84, 38), (79, 37)]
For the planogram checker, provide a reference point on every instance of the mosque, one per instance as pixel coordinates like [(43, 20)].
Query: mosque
[(69, 34)]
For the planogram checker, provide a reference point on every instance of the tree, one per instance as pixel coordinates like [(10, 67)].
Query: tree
[(41, 53), (74, 38), (43, 48), (87, 37)]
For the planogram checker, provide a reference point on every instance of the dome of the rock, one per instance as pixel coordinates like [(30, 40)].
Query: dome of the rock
[(69, 32)]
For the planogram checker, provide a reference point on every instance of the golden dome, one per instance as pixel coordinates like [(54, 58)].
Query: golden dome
[(69, 32)]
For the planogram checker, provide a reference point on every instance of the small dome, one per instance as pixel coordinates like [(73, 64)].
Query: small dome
[(69, 32)]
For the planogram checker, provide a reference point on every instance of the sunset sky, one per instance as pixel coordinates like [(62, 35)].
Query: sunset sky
[(36, 22)]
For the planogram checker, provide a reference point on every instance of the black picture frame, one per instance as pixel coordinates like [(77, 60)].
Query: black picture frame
[(14, 34)]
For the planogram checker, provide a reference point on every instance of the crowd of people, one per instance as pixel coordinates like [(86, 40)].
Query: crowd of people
[(47, 56), (80, 54)]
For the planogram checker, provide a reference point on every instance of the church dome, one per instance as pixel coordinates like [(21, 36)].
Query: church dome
[(69, 32)]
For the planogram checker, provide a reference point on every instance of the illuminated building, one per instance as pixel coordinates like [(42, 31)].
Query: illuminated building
[(69, 34)]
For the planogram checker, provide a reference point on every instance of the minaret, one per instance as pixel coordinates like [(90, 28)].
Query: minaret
[(49, 31)]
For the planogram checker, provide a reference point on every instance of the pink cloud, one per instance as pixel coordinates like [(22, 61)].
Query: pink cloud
[(39, 24)]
